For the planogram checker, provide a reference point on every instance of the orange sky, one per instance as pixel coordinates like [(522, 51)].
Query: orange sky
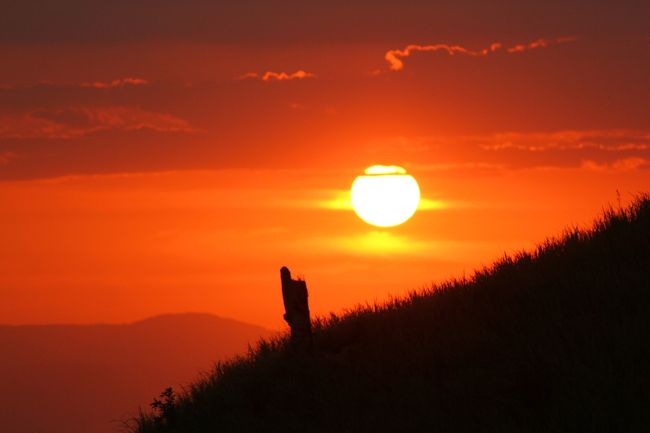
[(174, 164)]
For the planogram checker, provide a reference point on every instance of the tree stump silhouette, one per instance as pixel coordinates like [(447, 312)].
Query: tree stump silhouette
[(296, 307)]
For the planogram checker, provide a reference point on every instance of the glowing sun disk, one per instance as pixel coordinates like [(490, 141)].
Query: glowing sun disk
[(385, 196)]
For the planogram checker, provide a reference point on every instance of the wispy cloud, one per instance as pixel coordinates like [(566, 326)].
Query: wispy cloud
[(540, 43), (396, 63), (623, 164), (610, 140), (394, 57), (278, 76), (77, 122), (116, 83), (486, 153), (120, 82)]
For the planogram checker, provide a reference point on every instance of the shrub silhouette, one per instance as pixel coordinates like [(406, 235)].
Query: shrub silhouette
[(552, 340), (164, 408)]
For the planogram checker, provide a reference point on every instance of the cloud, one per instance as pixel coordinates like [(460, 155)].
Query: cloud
[(117, 83), (608, 140), (540, 43), (394, 57), (278, 76), (476, 167), (120, 82), (488, 153), (77, 122), (623, 164)]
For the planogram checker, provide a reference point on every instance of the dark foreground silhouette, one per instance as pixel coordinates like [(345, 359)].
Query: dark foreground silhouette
[(556, 340), (296, 306)]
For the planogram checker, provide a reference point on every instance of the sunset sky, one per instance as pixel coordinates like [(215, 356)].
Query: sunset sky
[(160, 156)]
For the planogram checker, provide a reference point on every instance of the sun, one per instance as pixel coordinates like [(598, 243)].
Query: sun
[(385, 195)]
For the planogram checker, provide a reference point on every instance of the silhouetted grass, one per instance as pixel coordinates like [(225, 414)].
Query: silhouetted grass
[(554, 340)]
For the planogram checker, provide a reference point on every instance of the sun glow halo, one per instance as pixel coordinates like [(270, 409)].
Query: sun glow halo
[(385, 196)]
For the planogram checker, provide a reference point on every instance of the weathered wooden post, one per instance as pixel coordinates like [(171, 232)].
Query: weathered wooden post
[(296, 307)]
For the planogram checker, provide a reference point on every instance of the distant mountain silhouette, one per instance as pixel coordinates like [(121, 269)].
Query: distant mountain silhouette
[(86, 378), (554, 340)]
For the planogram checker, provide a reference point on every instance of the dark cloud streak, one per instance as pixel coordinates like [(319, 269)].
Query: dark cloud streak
[(271, 21)]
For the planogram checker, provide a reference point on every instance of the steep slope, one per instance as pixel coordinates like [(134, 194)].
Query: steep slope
[(87, 378), (555, 340)]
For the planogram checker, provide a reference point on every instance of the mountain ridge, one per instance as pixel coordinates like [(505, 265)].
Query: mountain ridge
[(84, 378), (156, 318)]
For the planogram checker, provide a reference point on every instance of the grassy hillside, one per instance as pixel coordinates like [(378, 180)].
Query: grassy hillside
[(554, 340)]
